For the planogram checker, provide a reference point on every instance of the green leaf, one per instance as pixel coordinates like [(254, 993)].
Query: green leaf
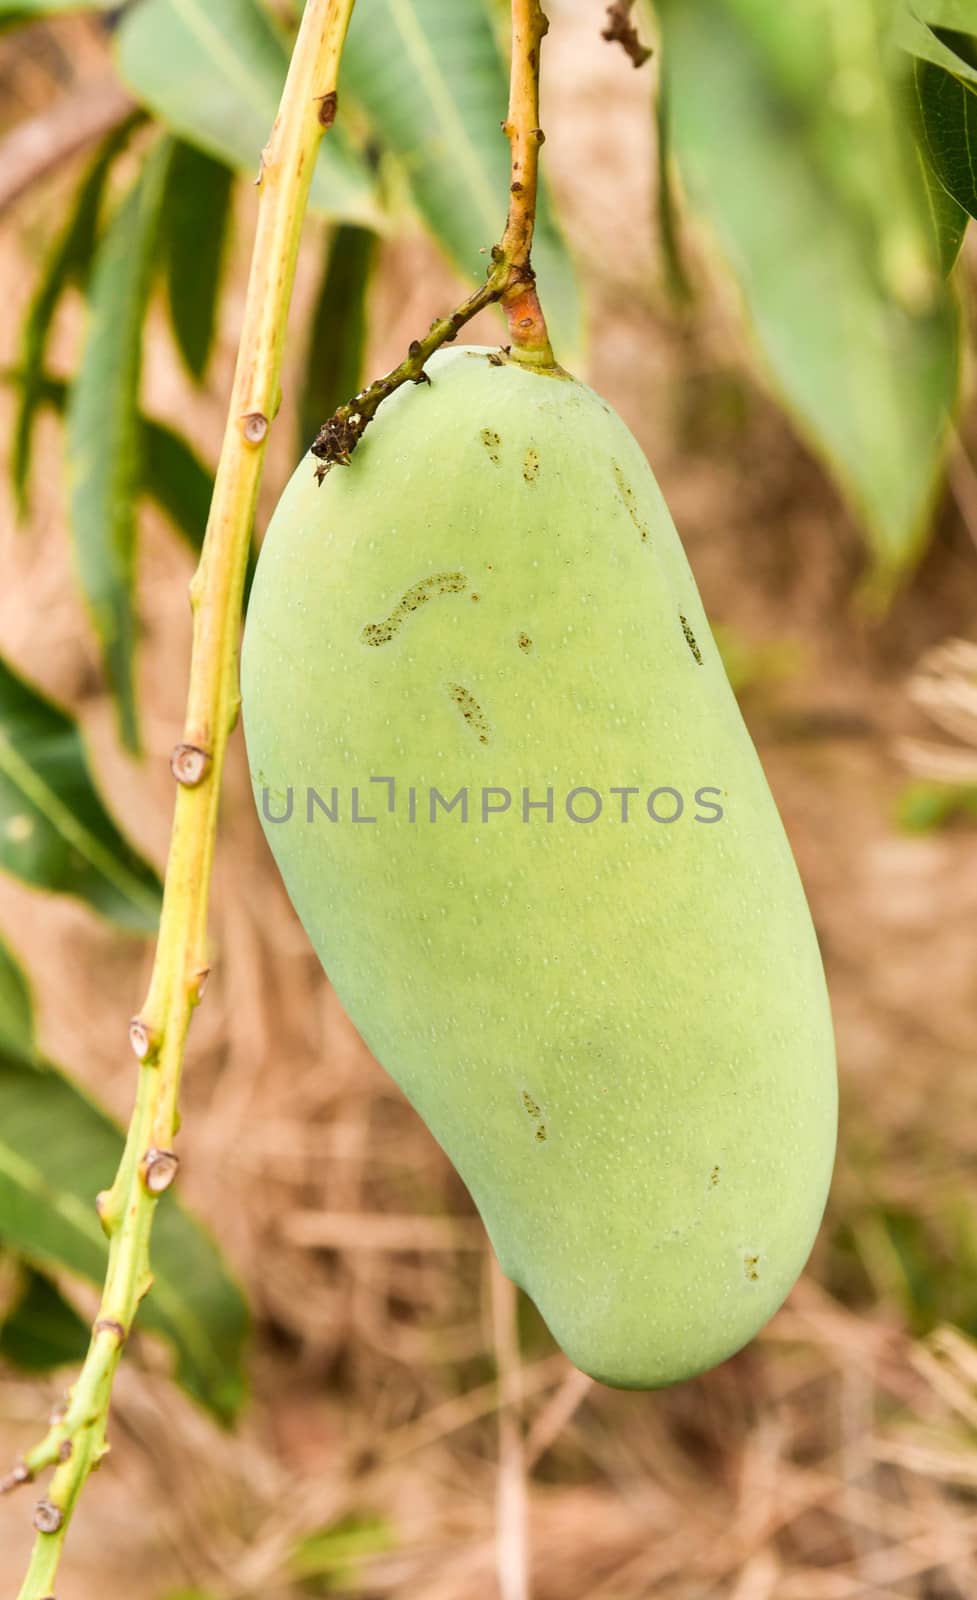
[(42, 1331), (178, 481), (57, 1151), (949, 218), (16, 1007), (429, 76), (913, 27), (331, 1559), (65, 263), (103, 428), (55, 833), (335, 353), (196, 214), (213, 71), (183, 487), (173, 475), (859, 335), (948, 126)]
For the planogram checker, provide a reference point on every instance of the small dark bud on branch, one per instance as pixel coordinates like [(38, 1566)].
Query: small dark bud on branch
[(328, 106)]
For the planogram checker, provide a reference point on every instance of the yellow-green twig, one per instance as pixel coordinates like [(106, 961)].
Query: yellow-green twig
[(75, 1441)]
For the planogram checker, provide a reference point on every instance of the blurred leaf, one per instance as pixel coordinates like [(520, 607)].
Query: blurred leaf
[(16, 1008), (42, 1330), (330, 1560), (104, 437), (213, 71), (55, 833), (429, 76), (178, 481), (66, 261), (335, 354), (57, 1151), (183, 487), (677, 279), (196, 214), (924, 806), (173, 475), (869, 374)]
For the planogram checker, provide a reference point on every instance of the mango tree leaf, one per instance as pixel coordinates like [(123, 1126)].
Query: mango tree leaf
[(196, 213), (335, 353), (103, 428), (339, 1553), (41, 1330), (67, 260), (55, 832), (16, 1008), (429, 76), (913, 27), (948, 138), (57, 1151), (182, 487), (869, 375), (173, 475), (213, 71), (177, 480)]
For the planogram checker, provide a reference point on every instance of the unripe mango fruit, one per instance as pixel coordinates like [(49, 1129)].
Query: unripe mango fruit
[(617, 1029)]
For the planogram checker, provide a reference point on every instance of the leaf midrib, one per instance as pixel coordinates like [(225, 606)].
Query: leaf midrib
[(39, 794)]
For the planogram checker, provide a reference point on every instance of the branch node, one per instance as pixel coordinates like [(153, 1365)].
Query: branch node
[(19, 1474), (199, 984), (106, 1325), (189, 764), (158, 1168), (141, 1037), (102, 1212), (254, 427), (47, 1516), (328, 106)]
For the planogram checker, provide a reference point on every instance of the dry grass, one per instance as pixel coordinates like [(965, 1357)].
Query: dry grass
[(836, 1457)]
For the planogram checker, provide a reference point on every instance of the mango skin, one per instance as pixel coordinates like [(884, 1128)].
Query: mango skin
[(619, 1032)]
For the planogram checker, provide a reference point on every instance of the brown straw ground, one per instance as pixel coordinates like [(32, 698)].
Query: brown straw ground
[(835, 1458)]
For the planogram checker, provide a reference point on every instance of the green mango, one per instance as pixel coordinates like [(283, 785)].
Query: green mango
[(470, 655)]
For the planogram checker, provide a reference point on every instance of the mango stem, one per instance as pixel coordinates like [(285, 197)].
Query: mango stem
[(510, 279)]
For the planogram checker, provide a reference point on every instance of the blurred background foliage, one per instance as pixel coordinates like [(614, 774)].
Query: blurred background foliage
[(812, 175)]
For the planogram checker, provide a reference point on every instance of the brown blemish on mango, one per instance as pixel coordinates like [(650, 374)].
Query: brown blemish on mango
[(751, 1266), (493, 445), (530, 465), (690, 639), (525, 643), (377, 633), (627, 494), (470, 710)]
